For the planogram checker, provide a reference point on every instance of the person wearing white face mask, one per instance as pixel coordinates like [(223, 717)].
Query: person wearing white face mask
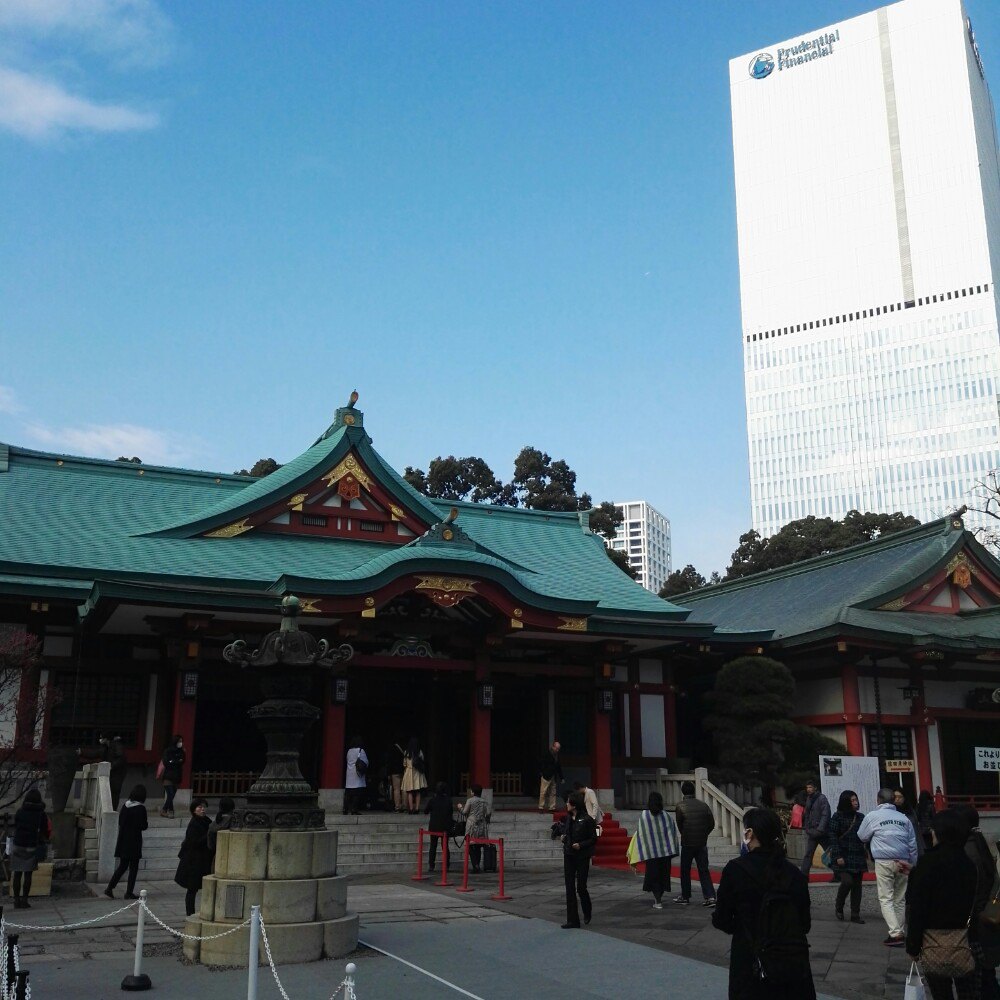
[(763, 902), (169, 772)]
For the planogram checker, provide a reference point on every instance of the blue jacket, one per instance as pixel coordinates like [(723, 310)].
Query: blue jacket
[(890, 834)]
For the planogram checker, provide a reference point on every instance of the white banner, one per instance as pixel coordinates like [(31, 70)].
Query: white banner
[(855, 774), (988, 758)]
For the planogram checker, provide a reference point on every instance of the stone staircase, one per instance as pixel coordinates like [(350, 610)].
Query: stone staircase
[(374, 843), (387, 842), (371, 843), (160, 844)]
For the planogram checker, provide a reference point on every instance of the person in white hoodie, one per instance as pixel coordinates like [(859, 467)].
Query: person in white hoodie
[(893, 844)]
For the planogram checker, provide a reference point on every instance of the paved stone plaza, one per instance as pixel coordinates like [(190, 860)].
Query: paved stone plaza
[(489, 950)]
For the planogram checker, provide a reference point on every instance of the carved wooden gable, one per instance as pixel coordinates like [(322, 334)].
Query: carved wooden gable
[(345, 502), (964, 584)]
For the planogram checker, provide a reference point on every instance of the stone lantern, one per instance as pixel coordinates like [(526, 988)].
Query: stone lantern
[(278, 853)]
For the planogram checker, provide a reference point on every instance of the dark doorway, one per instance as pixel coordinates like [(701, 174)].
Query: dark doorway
[(959, 739), (519, 729), (225, 739), (391, 706)]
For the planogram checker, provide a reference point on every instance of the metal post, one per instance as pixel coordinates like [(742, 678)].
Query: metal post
[(253, 958), (11, 942), (21, 987), (464, 887), (500, 895), (138, 981), (420, 876), (444, 856), (349, 981)]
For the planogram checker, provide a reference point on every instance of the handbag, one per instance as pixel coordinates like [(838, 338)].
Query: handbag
[(946, 953), (914, 984), (990, 913), (41, 852)]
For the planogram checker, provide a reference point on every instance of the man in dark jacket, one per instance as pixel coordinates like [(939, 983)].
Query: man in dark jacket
[(440, 808), (578, 848), (815, 822), (695, 822), (551, 774)]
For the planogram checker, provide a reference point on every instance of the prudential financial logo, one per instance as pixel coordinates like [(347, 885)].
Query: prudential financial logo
[(761, 65)]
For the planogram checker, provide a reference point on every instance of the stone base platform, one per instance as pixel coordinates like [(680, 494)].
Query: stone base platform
[(290, 943), (292, 876)]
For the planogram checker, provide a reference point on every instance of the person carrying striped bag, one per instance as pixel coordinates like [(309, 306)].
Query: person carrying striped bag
[(656, 843)]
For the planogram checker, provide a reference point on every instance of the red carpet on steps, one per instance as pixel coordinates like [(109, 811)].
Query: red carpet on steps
[(612, 847)]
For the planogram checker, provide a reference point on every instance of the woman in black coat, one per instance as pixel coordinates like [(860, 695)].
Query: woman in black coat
[(31, 830), (764, 869), (985, 938), (196, 858), (940, 895), (132, 820), (441, 809)]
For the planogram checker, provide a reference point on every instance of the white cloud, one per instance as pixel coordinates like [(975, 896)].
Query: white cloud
[(129, 32), (39, 109), (111, 441), (51, 49), (8, 400)]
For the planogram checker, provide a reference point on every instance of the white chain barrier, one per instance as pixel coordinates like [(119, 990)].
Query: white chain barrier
[(69, 927), (195, 937)]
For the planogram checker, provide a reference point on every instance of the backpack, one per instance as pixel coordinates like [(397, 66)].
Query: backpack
[(360, 766), (780, 946)]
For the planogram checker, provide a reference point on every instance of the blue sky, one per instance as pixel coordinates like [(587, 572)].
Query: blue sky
[(503, 224)]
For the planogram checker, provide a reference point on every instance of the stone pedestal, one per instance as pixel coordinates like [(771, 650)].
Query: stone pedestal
[(292, 876)]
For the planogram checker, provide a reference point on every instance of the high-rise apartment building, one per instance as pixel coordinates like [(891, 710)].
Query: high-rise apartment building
[(868, 208), (645, 535)]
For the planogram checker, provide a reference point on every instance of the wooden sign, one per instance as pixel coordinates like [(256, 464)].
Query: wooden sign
[(901, 765)]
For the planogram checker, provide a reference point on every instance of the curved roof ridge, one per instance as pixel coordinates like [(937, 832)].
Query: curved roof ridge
[(929, 528), (113, 464)]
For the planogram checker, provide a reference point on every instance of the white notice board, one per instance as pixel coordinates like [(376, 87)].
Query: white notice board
[(988, 759), (857, 774)]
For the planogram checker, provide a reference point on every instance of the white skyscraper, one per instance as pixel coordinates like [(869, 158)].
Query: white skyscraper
[(645, 535), (868, 208)]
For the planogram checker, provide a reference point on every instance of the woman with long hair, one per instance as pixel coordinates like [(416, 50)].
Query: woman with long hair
[(763, 891), (132, 820), (414, 775), (847, 854), (657, 844)]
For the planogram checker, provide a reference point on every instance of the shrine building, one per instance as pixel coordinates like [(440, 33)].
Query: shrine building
[(484, 631)]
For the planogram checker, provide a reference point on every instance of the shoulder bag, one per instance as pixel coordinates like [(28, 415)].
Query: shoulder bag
[(946, 951)]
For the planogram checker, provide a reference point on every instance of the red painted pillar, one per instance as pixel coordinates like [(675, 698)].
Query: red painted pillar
[(333, 742), (852, 709), (921, 739), (183, 726), (600, 749), (670, 711), (634, 719), (481, 736)]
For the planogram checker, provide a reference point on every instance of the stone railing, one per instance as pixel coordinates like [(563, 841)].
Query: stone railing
[(91, 799), (728, 813)]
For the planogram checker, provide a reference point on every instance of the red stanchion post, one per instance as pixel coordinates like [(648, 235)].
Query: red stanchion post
[(464, 887), (444, 862), (500, 893), (420, 876)]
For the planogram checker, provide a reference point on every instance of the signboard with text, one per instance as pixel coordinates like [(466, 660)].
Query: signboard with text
[(988, 759), (900, 766), (856, 774)]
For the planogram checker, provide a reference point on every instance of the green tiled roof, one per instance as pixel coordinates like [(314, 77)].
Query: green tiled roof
[(840, 592), (75, 522)]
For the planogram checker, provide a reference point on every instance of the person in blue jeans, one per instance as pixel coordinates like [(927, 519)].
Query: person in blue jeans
[(695, 822)]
